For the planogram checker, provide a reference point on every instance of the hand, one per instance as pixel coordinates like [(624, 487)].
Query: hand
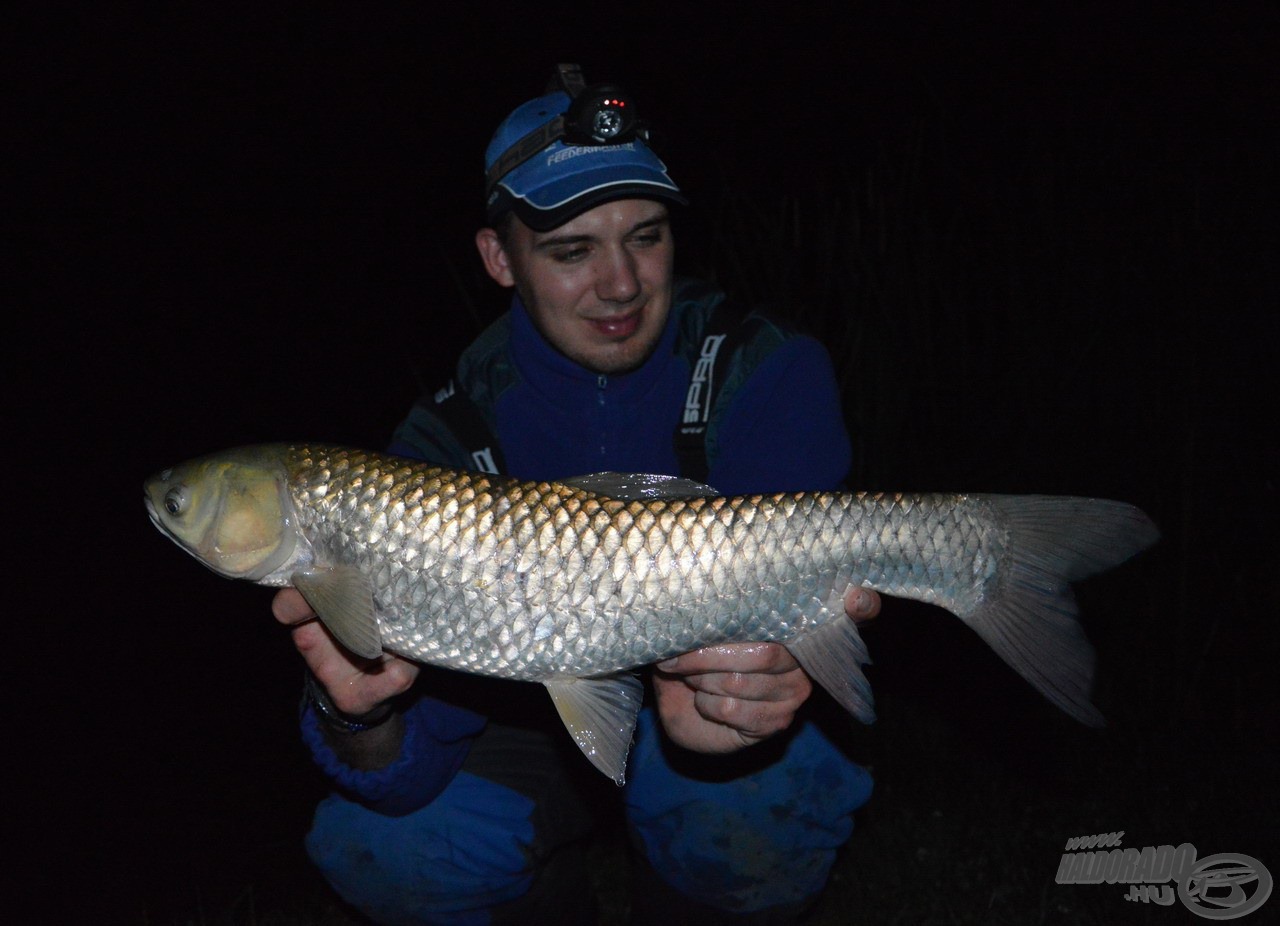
[(355, 685), (722, 698)]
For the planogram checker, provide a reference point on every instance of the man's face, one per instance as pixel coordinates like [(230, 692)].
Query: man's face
[(598, 287)]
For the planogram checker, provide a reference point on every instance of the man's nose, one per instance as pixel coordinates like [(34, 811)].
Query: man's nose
[(618, 280)]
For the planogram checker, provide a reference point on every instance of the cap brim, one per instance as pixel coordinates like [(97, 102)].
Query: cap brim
[(543, 220)]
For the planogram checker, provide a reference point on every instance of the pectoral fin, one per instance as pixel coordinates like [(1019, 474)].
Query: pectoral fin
[(833, 655), (343, 600), (600, 714)]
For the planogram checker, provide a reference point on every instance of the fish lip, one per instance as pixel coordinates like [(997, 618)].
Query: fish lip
[(155, 516)]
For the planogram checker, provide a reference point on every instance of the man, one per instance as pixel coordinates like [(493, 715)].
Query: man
[(455, 804)]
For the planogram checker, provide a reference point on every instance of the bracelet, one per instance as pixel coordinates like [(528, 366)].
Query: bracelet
[(322, 704)]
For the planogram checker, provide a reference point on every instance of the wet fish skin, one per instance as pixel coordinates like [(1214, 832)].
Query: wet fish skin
[(573, 584)]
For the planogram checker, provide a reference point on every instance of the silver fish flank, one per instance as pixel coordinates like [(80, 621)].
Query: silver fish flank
[(575, 584)]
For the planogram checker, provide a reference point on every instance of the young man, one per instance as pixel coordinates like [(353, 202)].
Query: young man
[(452, 803)]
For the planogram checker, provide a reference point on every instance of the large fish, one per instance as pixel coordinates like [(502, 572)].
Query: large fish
[(574, 584)]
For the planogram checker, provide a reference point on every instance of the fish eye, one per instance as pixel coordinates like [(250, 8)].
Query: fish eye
[(175, 501)]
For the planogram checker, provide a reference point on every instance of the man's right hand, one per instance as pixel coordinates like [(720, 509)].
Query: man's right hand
[(355, 685)]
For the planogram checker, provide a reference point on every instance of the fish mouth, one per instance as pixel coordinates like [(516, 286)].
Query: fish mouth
[(154, 515)]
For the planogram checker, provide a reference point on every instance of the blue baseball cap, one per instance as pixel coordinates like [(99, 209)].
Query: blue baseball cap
[(564, 180)]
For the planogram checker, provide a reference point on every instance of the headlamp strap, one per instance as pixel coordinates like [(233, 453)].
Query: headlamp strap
[(524, 149), (568, 77)]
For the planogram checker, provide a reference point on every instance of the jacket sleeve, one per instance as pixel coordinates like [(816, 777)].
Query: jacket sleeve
[(784, 430), (438, 735), (437, 739)]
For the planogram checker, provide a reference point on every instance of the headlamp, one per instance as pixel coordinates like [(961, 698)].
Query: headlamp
[(598, 115)]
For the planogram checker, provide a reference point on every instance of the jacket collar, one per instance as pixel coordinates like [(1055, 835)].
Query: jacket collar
[(551, 372)]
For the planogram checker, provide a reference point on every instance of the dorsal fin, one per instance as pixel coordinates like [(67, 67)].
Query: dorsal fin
[(630, 487)]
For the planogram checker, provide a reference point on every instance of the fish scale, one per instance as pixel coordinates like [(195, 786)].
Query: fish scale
[(793, 546), (573, 584)]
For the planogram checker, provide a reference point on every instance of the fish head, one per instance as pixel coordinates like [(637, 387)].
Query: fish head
[(230, 510)]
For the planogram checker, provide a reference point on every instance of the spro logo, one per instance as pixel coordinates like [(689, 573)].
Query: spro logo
[(697, 403), (483, 460)]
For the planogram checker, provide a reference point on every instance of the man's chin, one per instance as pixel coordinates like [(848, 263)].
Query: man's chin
[(617, 357), (613, 364)]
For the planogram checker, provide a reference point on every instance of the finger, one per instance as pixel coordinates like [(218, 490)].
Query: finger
[(322, 654), (355, 685), (682, 722), (861, 604), (751, 720), (359, 692), (733, 657), (684, 714), (753, 686), (289, 607), (330, 662)]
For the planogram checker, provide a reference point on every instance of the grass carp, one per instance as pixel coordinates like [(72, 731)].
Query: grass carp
[(574, 584)]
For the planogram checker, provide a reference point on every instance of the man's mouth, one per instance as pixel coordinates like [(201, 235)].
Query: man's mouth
[(617, 326)]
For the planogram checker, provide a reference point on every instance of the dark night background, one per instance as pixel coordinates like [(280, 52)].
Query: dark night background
[(1040, 243)]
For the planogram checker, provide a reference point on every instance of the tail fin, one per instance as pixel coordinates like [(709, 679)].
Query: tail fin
[(1027, 614)]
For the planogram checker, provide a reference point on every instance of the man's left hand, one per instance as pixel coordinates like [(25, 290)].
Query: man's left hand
[(722, 698)]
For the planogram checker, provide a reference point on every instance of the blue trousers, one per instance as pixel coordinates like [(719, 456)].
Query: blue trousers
[(503, 842)]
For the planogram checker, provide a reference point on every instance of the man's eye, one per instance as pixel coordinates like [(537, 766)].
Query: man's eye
[(570, 255), (648, 239)]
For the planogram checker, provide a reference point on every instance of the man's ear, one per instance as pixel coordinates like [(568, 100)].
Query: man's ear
[(496, 261)]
